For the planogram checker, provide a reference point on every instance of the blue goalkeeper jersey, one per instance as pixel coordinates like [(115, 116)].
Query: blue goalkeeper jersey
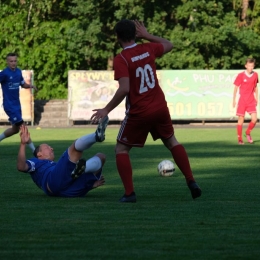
[(39, 170), (11, 80)]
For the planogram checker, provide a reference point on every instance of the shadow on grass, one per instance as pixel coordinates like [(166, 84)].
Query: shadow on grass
[(165, 219), (210, 161)]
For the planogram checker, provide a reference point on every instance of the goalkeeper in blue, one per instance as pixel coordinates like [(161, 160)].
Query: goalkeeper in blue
[(71, 175)]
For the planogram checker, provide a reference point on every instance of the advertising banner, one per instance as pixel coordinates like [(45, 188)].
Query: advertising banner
[(26, 99), (89, 90), (190, 94), (202, 94)]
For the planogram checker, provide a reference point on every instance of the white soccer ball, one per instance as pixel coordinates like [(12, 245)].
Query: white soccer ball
[(166, 168)]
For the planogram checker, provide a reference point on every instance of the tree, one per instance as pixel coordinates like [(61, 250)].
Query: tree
[(207, 37), (40, 36), (55, 36)]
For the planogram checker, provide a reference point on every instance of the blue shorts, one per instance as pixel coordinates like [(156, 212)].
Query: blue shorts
[(61, 183), (15, 115)]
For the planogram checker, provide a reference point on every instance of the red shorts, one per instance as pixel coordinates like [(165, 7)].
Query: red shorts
[(134, 130), (244, 107)]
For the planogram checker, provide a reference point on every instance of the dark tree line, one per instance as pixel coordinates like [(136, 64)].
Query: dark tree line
[(52, 37)]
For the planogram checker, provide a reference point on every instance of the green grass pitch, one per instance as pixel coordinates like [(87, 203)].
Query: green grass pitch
[(165, 223)]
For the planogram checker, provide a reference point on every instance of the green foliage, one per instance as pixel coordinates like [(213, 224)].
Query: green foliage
[(52, 37), (208, 37), (41, 43)]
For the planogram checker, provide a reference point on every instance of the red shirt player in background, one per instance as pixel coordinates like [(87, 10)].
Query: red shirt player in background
[(146, 107), (247, 83)]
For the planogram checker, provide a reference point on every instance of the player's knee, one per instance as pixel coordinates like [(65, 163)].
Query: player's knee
[(122, 148), (16, 130), (254, 120), (121, 151), (102, 157), (171, 142), (240, 120), (16, 127)]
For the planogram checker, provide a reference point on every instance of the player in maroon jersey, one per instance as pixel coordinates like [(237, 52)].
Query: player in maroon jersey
[(246, 81), (146, 107)]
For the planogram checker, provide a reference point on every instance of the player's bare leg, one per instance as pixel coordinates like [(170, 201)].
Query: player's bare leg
[(15, 130), (9, 132)]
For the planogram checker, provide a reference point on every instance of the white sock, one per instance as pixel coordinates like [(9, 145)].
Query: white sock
[(31, 145), (2, 136), (93, 164), (85, 142)]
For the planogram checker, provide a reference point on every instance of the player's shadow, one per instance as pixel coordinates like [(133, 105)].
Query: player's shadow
[(255, 141), (39, 110)]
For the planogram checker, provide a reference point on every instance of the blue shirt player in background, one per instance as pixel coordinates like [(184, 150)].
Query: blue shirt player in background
[(11, 79), (71, 175)]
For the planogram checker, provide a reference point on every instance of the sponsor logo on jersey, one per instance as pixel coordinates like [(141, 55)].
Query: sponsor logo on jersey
[(140, 57)]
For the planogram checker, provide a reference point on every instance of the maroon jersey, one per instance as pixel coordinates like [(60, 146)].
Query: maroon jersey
[(137, 62), (246, 86)]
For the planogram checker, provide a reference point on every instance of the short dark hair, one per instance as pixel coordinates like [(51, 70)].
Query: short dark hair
[(125, 30), (250, 60), (36, 150), (11, 54)]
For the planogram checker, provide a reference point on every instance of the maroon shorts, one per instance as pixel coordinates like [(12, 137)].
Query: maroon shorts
[(134, 130)]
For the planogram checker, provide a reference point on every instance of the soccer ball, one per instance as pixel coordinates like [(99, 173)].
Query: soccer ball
[(166, 168)]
